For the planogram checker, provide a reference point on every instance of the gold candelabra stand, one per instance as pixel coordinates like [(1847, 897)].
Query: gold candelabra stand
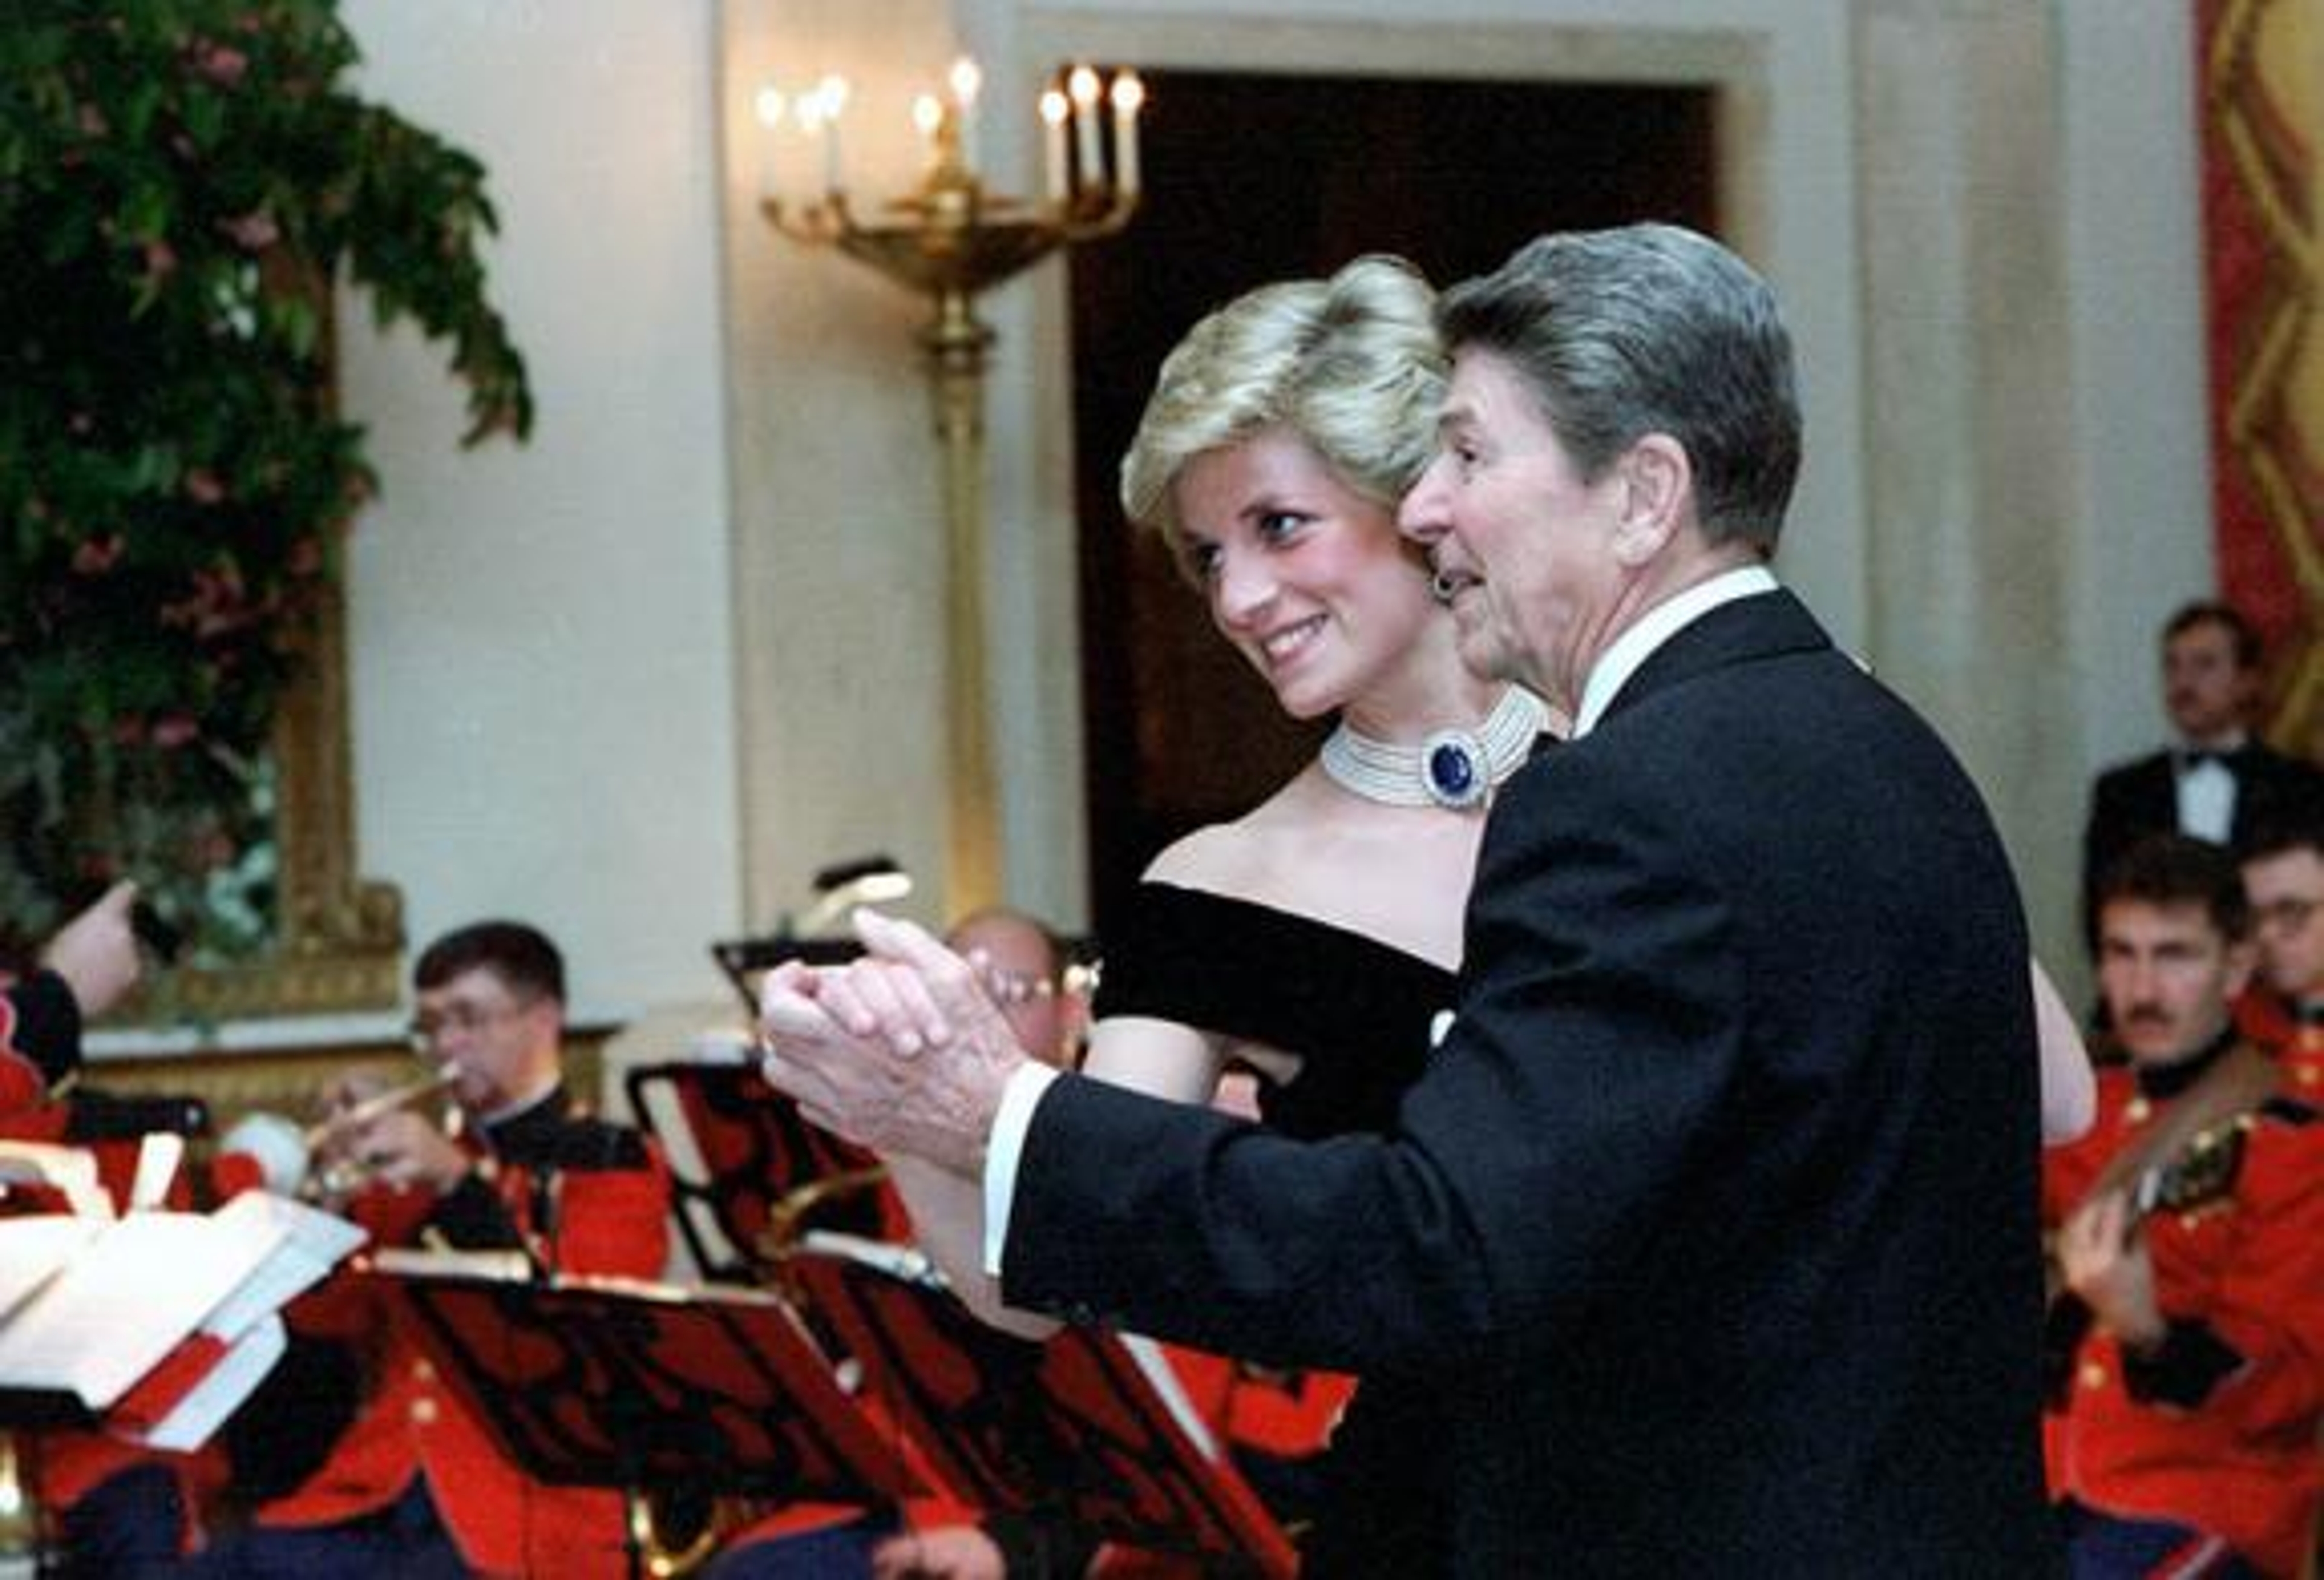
[(951, 240)]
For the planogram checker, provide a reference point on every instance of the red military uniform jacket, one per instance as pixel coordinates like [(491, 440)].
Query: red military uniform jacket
[(588, 1197), (2295, 1038), (40, 1046), (2219, 1430)]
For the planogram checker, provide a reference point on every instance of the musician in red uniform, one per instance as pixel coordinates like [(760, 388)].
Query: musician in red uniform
[(2283, 875), (2189, 1248), (413, 1485)]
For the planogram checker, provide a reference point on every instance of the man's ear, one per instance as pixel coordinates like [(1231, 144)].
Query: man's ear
[(1657, 480)]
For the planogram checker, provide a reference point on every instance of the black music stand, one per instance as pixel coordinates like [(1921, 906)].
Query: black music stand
[(648, 1388), (1079, 1426), (743, 960), (754, 1151)]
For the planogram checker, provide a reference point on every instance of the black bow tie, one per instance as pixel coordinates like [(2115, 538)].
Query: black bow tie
[(2197, 756)]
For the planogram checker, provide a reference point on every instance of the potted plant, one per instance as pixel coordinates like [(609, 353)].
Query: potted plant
[(183, 185)]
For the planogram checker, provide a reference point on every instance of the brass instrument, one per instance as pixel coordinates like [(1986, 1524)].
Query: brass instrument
[(20, 1511), (288, 1154)]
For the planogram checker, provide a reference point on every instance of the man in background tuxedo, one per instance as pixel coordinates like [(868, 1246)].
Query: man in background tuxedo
[(1711, 1219), (2219, 782)]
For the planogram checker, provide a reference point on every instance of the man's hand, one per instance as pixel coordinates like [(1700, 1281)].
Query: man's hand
[(2105, 1261), (403, 1149), (96, 952), (900, 1051)]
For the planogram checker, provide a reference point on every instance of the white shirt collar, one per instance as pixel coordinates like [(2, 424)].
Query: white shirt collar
[(1659, 625)]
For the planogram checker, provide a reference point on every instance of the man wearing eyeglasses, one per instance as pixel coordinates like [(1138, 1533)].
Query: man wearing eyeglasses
[(414, 1485), (2284, 874)]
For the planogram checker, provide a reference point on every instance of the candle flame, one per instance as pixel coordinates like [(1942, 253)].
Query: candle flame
[(1129, 93), (1082, 85), (965, 77), (1055, 107)]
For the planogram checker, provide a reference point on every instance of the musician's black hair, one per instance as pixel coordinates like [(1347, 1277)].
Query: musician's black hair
[(2173, 869), (520, 956)]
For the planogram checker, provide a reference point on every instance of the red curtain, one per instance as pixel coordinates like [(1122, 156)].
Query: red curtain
[(2262, 108)]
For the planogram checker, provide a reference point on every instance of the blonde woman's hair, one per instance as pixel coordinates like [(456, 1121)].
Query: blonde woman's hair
[(1352, 365)]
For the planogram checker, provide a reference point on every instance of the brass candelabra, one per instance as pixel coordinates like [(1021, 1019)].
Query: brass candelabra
[(950, 240)]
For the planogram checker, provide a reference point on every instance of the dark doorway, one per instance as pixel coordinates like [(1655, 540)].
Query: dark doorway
[(1257, 178)]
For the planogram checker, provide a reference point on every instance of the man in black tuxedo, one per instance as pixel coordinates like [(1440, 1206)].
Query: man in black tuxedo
[(2220, 782), (1713, 1217)]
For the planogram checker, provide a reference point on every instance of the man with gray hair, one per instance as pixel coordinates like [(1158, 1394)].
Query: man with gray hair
[(1712, 1217)]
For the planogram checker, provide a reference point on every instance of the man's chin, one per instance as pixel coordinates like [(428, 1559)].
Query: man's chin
[(1483, 653)]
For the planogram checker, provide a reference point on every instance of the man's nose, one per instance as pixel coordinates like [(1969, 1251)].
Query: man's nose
[(1421, 517)]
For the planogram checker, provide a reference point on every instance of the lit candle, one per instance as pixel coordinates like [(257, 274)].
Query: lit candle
[(966, 79), (1082, 84), (833, 91), (1054, 110), (808, 110), (928, 117), (770, 106), (1129, 94)]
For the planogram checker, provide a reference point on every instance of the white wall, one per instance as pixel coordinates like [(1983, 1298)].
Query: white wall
[(541, 684), (2140, 455)]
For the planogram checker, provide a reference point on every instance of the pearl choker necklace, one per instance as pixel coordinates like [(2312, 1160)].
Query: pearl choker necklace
[(1455, 768)]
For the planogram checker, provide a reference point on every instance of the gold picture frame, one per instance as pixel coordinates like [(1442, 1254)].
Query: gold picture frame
[(339, 937)]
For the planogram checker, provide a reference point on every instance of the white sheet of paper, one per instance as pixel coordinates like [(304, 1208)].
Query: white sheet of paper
[(221, 1391), (128, 1298)]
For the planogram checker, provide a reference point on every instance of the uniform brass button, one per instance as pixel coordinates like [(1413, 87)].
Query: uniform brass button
[(423, 1371), (2093, 1375), (423, 1410), (2138, 1110)]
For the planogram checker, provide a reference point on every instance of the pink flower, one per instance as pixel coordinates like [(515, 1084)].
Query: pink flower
[(253, 232), (203, 487), (176, 730), (91, 120), (93, 556), (221, 63), (161, 258), (217, 605)]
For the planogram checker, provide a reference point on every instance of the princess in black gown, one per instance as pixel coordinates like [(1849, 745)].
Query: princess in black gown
[(1313, 939)]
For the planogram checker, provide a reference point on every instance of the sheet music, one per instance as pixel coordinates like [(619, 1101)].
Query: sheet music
[(34, 1250), (126, 1299), (70, 1170), (1164, 1380), (222, 1388), (312, 1243)]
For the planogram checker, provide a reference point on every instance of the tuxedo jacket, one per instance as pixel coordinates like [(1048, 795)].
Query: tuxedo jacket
[(1713, 1215), (2136, 799)]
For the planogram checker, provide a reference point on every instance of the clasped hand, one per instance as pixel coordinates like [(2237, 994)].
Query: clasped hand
[(900, 1051)]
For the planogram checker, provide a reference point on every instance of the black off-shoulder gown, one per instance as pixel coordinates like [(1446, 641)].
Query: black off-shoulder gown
[(1359, 1014)]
